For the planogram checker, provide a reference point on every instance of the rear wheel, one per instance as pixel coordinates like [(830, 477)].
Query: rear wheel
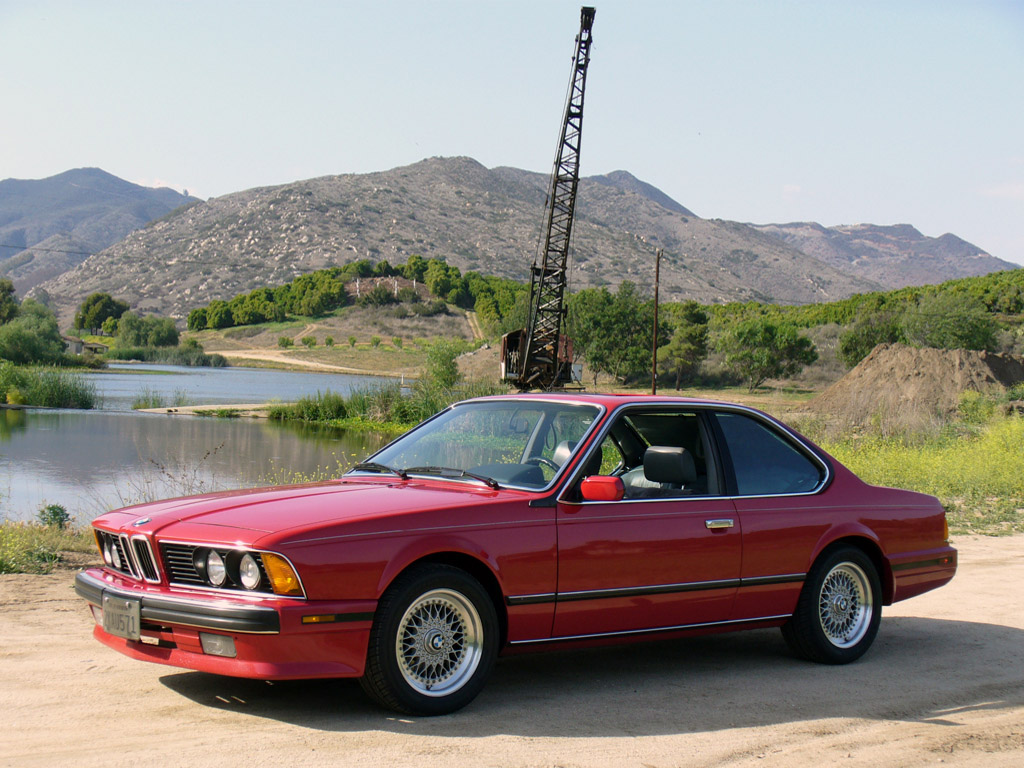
[(839, 609), (433, 642)]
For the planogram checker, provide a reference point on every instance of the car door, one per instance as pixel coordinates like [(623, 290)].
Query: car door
[(776, 483), (648, 562)]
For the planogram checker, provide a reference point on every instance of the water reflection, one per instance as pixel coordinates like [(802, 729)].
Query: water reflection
[(119, 386), (11, 420), (92, 461)]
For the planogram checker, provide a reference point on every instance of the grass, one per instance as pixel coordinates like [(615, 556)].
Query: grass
[(50, 387), (977, 474), (35, 548), (150, 398), (379, 409)]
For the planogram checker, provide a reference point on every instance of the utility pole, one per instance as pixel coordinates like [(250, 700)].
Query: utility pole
[(654, 350)]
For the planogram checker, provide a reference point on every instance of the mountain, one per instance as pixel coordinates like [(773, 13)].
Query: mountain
[(893, 256), (488, 220), (48, 226)]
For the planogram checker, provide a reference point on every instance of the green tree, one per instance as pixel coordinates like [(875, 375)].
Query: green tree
[(613, 332), (135, 331), (96, 308), (758, 349), (284, 342), (196, 319), (871, 328), (8, 302), (949, 320), (415, 268), (309, 341), (218, 315), (32, 336), (442, 369), (688, 346)]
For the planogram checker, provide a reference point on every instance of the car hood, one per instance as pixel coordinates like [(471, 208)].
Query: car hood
[(242, 517)]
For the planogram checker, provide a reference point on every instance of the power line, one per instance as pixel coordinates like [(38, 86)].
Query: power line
[(47, 250)]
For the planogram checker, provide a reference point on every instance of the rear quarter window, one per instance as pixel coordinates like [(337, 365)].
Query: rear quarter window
[(763, 461)]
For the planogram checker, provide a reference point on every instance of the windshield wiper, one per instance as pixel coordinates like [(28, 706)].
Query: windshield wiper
[(490, 482), (373, 466)]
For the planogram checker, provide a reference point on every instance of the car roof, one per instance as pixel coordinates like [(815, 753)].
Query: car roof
[(609, 400)]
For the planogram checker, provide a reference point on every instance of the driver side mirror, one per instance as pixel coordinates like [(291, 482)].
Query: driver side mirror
[(602, 488)]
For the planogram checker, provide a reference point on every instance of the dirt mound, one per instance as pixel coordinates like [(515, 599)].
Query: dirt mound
[(905, 384)]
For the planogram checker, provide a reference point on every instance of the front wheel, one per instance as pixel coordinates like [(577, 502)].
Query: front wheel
[(433, 642), (839, 609)]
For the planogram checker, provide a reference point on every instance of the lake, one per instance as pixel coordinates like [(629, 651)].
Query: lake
[(93, 461)]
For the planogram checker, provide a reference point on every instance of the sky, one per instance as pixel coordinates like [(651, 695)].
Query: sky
[(902, 111)]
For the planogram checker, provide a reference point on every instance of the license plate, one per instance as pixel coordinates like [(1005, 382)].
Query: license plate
[(121, 617)]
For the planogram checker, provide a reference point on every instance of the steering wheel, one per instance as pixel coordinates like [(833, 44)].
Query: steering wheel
[(542, 461)]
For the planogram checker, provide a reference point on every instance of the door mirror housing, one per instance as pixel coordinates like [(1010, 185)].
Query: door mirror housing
[(602, 488)]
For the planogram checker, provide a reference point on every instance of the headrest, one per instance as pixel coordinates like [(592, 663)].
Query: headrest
[(669, 464), (562, 452)]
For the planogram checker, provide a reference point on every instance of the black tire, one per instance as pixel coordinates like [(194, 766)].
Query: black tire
[(839, 609), (433, 642)]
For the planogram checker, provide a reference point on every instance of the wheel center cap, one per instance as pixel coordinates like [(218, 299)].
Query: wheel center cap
[(842, 604), (435, 640)]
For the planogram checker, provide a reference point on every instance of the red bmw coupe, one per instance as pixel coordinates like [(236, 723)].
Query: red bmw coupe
[(519, 522)]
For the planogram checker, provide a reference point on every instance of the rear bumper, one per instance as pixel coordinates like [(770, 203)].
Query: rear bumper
[(922, 572), (270, 639)]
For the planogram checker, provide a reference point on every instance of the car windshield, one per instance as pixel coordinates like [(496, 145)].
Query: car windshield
[(498, 442)]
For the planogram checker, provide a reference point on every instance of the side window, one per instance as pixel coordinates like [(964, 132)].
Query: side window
[(764, 462)]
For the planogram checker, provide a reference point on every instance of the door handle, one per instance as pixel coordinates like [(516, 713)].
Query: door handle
[(721, 522)]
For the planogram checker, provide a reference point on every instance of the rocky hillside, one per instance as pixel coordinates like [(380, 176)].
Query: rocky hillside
[(476, 218), (48, 226), (894, 257)]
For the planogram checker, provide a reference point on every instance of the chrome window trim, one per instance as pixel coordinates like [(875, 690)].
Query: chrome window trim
[(222, 590), (601, 409), (791, 437)]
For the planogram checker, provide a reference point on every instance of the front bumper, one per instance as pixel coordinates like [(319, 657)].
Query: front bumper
[(271, 640), (189, 612)]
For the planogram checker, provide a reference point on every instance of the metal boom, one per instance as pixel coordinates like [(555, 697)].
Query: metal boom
[(542, 357)]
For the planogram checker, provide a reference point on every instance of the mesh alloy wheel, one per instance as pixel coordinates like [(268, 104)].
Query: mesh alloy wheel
[(439, 642)]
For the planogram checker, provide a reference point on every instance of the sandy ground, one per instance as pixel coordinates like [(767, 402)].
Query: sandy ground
[(944, 683)]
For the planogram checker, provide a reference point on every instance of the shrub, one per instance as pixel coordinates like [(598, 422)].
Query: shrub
[(54, 516), (397, 341), (375, 341), (309, 341), (351, 341), (975, 408), (284, 342), (328, 341), (49, 387)]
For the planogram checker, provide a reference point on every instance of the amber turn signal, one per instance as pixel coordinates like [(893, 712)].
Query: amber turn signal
[(283, 579)]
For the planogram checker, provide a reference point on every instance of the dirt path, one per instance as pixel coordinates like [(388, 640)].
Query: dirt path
[(310, 327), (944, 683), (474, 326), (282, 359)]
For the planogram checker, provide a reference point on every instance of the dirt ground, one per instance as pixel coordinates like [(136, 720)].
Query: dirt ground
[(944, 683)]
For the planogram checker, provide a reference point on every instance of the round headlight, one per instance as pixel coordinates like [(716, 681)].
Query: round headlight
[(107, 557), (249, 572), (115, 557), (216, 573)]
